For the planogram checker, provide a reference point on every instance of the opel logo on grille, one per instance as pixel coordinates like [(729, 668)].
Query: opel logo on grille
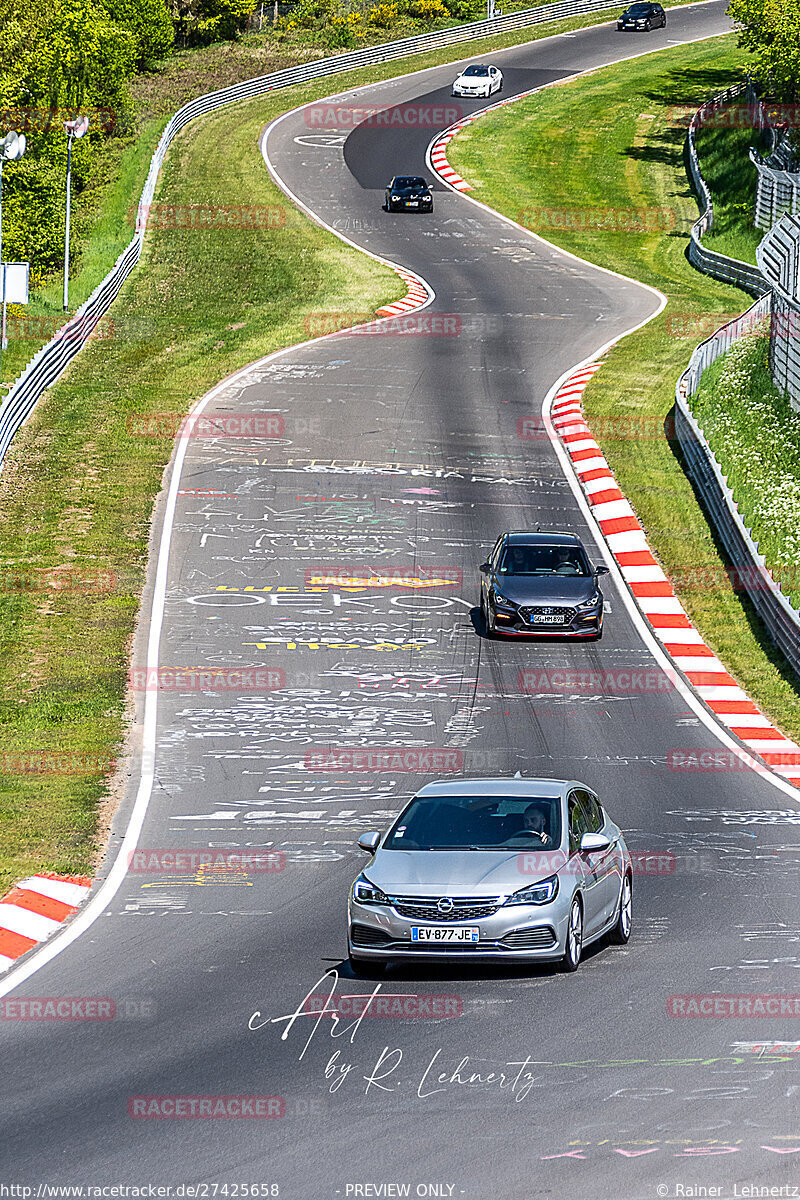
[(445, 905)]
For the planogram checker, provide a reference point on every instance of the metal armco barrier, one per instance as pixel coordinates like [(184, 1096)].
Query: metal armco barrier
[(719, 266), (48, 364), (775, 610), (778, 256)]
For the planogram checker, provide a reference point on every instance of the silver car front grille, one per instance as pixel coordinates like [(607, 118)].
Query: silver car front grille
[(464, 908)]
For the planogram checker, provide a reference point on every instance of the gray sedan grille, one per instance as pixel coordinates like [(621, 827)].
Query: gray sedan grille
[(547, 610), (539, 938), (465, 908)]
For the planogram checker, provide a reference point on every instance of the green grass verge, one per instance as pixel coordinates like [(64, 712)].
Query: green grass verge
[(626, 153), (731, 177), (755, 436)]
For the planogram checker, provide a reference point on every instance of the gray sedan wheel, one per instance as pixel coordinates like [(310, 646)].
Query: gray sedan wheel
[(574, 947), (621, 932)]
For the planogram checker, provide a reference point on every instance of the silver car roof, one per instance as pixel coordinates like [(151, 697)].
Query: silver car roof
[(500, 787)]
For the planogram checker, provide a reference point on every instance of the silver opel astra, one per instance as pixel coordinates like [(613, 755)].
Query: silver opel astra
[(522, 869)]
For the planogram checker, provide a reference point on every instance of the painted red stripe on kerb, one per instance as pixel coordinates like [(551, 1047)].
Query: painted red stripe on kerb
[(761, 733), (620, 525), (582, 455), (14, 944), (636, 558), (689, 649), (669, 621), (606, 496), (710, 679), (34, 902), (595, 473), (732, 707), (651, 587)]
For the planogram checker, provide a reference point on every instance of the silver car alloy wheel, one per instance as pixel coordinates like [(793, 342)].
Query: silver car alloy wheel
[(574, 946)]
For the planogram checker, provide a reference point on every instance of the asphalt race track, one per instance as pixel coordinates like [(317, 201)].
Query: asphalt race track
[(401, 452)]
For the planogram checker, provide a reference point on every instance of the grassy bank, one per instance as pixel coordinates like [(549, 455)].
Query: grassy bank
[(755, 436), (722, 148), (626, 154)]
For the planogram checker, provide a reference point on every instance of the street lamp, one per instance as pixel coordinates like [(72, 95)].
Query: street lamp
[(12, 147), (73, 129)]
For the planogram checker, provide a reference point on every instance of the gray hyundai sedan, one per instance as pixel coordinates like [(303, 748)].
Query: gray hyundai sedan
[(522, 869)]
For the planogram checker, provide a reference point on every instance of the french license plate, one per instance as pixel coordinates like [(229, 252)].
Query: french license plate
[(436, 933), (547, 619)]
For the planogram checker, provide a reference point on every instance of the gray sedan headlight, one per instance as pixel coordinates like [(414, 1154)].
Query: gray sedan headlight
[(499, 598), (592, 602), (538, 893), (365, 892)]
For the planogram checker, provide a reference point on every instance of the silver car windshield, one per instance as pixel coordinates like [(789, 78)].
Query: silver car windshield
[(478, 823)]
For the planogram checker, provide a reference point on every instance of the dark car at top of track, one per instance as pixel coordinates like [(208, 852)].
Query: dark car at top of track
[(541, 583), (642, 16), (408, 191)]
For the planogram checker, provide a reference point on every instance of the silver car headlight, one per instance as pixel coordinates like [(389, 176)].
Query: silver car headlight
[(365, 892), (499, 598), (538, 893), (592, 602)]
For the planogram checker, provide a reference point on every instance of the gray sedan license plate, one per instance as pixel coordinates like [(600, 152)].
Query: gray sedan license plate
[(548, 619), (438, 933)]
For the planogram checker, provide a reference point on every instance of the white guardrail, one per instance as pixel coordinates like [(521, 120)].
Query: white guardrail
[(50, 362)]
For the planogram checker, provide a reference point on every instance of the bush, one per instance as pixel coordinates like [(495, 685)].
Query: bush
[(383, 15), (429, 10), (150, 21)]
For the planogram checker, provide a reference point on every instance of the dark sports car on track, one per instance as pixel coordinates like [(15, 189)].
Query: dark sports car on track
[(408, 191), (541, 583), (642, 16)]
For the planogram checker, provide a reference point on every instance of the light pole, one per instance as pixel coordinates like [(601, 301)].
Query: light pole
[(74, 129), (12, 147)]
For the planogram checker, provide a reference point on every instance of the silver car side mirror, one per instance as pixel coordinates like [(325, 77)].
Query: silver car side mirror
[(592, 843), (369, 842)]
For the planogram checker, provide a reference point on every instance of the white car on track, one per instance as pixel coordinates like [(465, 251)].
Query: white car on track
[(478, 80)]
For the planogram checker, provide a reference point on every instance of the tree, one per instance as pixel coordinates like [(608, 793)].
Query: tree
[(151, 23), (770, 30)]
